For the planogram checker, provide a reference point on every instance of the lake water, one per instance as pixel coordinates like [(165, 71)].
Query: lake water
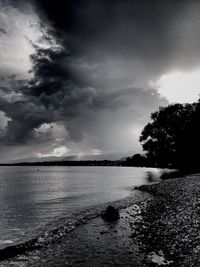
[(30, 197)]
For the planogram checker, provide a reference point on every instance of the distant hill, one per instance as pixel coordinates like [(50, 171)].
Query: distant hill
[(102, 157), (136, 160), (66, 163)]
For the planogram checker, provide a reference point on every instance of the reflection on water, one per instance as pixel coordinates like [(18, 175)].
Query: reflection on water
[(152, 177), (31, 197)]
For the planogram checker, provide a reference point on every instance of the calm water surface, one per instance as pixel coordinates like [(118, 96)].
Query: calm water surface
[(30, 197)]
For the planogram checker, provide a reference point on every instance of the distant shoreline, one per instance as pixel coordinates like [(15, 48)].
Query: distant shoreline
[(89, 163)]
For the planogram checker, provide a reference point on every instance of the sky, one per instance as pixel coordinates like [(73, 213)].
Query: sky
[(80, 78)]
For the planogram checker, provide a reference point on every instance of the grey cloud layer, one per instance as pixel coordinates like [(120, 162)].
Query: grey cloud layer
[(156, 32), (93, 77)]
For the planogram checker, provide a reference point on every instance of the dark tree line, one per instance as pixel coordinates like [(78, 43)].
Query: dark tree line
[(172, 137)]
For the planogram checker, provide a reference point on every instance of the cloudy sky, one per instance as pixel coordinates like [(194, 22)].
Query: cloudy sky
[(81, 77)]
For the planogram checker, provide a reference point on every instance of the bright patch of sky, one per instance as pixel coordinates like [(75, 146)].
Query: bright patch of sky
[(181, 87), (18, 31), (56, 152), (3, 120)]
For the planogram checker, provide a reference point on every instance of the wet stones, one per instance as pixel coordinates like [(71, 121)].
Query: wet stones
[(111, 214)]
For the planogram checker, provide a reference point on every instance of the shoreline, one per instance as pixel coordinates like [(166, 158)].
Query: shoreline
[(55, 230), (162, 229)]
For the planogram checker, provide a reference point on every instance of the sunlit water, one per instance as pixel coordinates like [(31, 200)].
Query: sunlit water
[(30, 197)]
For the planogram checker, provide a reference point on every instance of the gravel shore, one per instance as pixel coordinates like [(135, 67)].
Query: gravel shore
[(162, 229), (171, 221)]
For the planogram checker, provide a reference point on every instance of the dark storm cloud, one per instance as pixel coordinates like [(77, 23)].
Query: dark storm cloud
[(25, 117), (3, 31), (57, 92), (100, 58), (145, 30), (54, 96)]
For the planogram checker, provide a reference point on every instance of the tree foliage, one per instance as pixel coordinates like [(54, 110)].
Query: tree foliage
[(171, 138)]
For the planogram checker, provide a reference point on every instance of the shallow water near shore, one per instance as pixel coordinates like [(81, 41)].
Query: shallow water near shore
[(32, 197)]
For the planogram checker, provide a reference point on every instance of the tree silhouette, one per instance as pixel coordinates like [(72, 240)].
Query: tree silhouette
[(168, 138)]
